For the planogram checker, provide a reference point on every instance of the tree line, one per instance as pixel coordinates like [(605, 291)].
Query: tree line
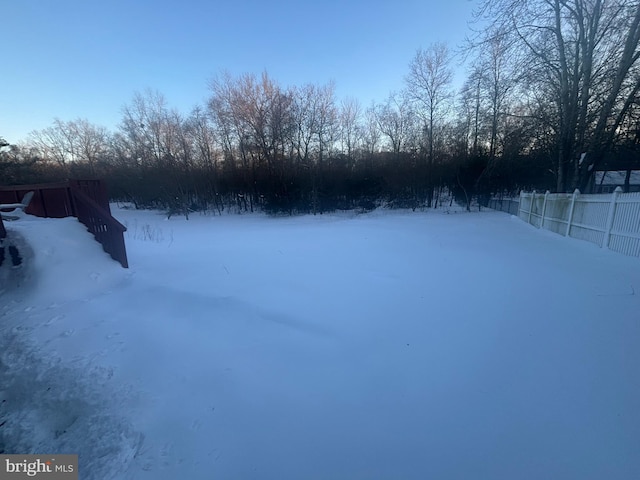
[(552, 89)]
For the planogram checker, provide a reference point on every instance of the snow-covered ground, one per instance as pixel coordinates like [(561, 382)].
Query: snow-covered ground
[(388, 345)]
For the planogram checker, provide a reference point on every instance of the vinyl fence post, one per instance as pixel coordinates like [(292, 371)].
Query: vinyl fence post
[(520, 204), (610, 217), (533, 199), (576, 192), (544, 208)]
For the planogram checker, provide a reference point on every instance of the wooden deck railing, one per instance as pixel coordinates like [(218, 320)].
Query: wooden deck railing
[(85, 199), (107, 230), (50, 200)]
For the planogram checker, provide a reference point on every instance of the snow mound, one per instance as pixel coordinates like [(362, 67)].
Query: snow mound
[(63, 260), (46, 406)]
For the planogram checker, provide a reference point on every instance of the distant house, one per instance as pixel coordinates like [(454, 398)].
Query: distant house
[(606, 182), (620, 168)]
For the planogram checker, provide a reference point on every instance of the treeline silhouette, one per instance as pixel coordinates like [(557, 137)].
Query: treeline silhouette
[(552, 95), (285, 185)]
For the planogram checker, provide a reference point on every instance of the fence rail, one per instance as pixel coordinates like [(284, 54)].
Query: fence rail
[(609, 220), (509, 205), (85, 199)]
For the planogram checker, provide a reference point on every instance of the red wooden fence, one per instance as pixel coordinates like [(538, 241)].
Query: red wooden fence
[(85, 199)]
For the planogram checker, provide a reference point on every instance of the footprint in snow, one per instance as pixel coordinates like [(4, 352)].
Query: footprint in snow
[(165, 453), (20, 328), (166, 449), (68, 333), (54, 320)]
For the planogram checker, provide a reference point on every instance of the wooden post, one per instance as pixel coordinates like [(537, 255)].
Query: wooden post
[(576, 192), (610, 217), (3, 232), (544, 208), (533, 199)]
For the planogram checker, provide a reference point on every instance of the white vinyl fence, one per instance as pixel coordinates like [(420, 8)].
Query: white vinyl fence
[(509, 205), (610, 220)]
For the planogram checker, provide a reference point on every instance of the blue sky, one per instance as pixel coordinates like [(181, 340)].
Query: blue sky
[(85, 59)]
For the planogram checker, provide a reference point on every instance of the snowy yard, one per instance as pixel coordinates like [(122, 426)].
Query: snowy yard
[(393, 345)]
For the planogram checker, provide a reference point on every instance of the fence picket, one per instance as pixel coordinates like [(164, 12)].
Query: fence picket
[(544, 208), (533, 199), (610, 217), (576, 192)]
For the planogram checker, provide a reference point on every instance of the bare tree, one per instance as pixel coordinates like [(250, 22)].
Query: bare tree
[(202, 136), (395, 121), (471, 111), (581, 59), (92, 141), (72, 141), (428, 83), (350, 128), (148, 129), (255, 122), (155, 143), (54, 143), (306, 119), (371, 133)]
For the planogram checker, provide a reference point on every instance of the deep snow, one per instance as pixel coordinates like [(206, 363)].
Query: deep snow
[(387, 345)]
